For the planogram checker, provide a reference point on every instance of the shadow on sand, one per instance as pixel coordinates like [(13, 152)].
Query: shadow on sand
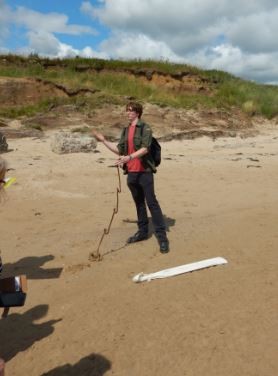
[(169, 222), (32, 268), (19, 331), (92, 365)]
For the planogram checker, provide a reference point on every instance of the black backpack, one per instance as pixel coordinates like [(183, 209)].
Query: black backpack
[(155, 151)]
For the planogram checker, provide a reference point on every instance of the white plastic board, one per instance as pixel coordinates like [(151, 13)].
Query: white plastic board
[(141, 277)]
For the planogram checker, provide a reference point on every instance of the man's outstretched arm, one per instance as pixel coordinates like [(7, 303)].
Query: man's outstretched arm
[(110, 145)]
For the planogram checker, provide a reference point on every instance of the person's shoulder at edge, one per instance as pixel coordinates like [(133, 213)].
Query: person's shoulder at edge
[(142, 123), (146, 129)]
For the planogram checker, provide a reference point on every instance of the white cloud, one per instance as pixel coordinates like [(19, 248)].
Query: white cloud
[(236, 36), (87, 8), (5, 16), (132, 46), (41, 30), (43, 43), (89, 52), (256, 32), (50, 22), (46, 44), (231, 59), (182, 24)]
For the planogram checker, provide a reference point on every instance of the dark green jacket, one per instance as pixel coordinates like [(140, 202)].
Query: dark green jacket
[(142, 138)]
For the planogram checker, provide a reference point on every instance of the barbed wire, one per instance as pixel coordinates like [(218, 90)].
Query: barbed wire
[(96, 256)]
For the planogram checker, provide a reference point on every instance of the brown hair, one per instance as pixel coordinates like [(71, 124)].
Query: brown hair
[(136, 107)]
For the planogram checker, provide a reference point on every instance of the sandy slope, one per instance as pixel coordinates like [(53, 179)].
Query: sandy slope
[(81, 318)]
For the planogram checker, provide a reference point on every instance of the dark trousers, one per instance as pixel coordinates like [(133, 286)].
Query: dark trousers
[(141, 185)]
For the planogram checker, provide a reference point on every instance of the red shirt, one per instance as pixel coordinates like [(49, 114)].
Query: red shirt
[(135, 165)]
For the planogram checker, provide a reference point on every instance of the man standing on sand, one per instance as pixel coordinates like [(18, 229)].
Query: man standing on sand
[(133, 150)]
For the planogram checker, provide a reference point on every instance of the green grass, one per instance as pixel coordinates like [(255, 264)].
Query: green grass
[(115, 83), (28, 110), (250, 97)]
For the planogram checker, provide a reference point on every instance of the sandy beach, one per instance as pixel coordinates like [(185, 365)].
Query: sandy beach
[(89, 318)]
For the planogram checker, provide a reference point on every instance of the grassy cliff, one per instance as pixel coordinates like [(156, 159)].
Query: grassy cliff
[(158, 82)]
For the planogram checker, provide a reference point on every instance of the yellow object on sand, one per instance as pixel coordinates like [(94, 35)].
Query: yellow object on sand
[(8, 182)]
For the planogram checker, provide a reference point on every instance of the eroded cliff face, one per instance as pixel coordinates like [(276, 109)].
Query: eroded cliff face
[(25, 91), (28, 91), (167, 123)]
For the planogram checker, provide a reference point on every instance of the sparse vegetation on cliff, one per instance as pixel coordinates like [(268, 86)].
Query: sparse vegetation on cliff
[(157, 82)]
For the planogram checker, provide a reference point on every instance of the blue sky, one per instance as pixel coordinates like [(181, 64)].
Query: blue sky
[(237, 37), (71, 9)]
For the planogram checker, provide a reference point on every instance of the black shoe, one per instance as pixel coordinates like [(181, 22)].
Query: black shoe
[(164, 247), (137, 237)]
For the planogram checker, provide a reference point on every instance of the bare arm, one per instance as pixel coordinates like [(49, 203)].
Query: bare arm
[(126, 158), (110, 145), (113, 147)]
